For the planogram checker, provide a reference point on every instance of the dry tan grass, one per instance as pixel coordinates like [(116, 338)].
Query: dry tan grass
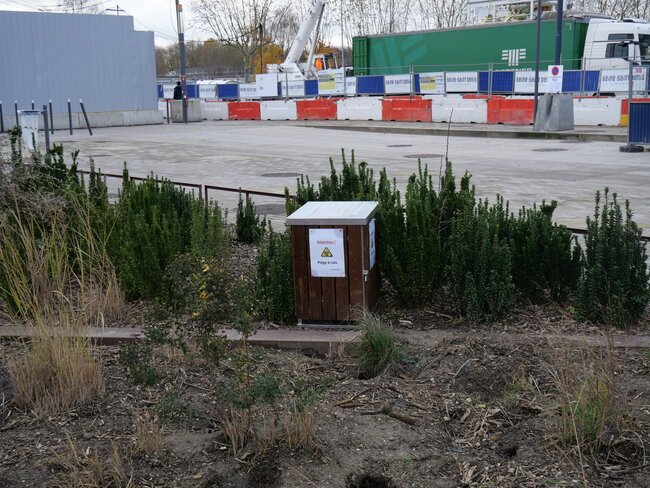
[(148, 435), (85, 469), (238, 428), (299, 428)]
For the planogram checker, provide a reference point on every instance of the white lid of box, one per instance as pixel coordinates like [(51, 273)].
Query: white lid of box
[(334, 213)]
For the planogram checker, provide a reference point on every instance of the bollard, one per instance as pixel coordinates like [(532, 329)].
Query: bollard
[(83, 109), (46, 129), (33, 106), (70, 116), (2, 120), (167, 102), (16, 112), (51, 118)]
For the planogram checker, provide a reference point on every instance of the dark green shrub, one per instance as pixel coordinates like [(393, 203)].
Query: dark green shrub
[(480, 269), (275, 278), (545, 256), (613, 287), (248, 224), (136, 358), (156, 222)]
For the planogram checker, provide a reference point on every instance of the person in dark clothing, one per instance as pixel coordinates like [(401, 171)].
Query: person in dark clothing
[(178, 91)]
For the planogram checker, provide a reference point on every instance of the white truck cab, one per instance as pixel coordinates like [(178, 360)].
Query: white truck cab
[(605, 46)]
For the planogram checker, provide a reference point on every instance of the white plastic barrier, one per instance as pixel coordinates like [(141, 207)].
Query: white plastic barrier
[(459, 110), (361, 108), (597, 111), (214, 110), (278, 110)]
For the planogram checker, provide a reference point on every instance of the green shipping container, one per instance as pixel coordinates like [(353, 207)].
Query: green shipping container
[(508, 46)]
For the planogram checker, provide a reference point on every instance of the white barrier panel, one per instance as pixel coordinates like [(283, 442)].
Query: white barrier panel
[(459, 110), (330, 82), (616, 80), (525, 82), (267, 85), (293, 88), (207, 90), (397, 84), (462, 81), (278, 110), (214, 110), (351, 86), (597, 111), (248, 91), (168, 91), (362, 108)]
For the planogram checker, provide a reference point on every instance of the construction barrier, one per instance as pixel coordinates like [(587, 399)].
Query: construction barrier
[(361, 108), (406, 109), (458, 110), (624, 110), (477, 96), (278, 110), (244, 111), (517, 111), (214, 110), (596, 111), (320, 109)]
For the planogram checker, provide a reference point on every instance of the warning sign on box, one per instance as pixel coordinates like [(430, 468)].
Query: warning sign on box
[(327, 253)]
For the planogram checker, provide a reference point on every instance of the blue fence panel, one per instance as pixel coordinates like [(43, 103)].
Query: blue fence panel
[(592, 80), (228, 91), (192, 91), (640, 122), (311, 88), (580, 81), (370, 85), (416, 83), (483, 81), (160, 91), (503, 81)]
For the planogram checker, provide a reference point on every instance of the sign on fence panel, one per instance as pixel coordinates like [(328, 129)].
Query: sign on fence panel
[(248, 91), (168, 91), (394, 84), (293, 88), (327, 253), (432, 83), (616, 80), (555, 76), (372, 245), (525, 82), (462, 81), (207, 91), (330, 82), (351, 85), (267, 85)]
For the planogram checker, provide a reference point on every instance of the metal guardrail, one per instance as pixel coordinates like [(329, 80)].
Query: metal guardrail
[(204, 189)]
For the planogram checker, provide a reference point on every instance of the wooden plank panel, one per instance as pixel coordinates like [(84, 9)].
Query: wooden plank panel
[(300, 271), (355, 269), (328, 289), (342, 285), (315, 288), (375, 274)]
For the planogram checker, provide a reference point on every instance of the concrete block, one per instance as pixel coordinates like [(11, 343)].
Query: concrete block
[(360, 108), (554, 113), (214, 110), (193, 111), (279, 110), (597, 111), (459, 110)]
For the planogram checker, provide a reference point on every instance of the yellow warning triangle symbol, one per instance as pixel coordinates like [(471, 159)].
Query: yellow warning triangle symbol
[(326, 253)]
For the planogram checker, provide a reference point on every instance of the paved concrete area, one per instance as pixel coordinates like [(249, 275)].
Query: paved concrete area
[(264, 155)]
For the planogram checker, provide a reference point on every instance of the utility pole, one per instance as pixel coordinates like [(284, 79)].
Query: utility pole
[(538, 42), (181, 47), (261, 29), (558, 32), (116, 9)]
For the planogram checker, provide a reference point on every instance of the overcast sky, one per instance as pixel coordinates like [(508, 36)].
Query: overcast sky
[(151, 15)]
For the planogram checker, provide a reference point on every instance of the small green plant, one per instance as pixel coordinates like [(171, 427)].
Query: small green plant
[(275, 278), (249, 227), (136, 358), (171, 407), (377, 348), (613, 287)]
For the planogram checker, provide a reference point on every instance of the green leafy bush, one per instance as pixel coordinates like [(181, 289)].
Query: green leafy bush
[(377, 348), (480, 269), (613, 287), (248, 224), (136, 358), (275, 277), (545, 256)]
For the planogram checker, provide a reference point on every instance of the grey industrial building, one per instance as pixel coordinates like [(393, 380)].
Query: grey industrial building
[(101, 59)]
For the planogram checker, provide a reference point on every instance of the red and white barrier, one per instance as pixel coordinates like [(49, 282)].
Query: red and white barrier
[(511, 111), (317, 109), (362, 108), (458, 110), (244, 111), (624, 118), (406, 109), (279, 110)]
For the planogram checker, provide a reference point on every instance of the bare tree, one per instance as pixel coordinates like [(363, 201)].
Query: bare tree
[(437, 14), (80, 6), (235, 23), (623, 9), (367, 17)]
